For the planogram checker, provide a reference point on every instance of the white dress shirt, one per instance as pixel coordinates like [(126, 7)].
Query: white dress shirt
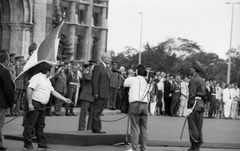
[(138, 89), (42, 88)]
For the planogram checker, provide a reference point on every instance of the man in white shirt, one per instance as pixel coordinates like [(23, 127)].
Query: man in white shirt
[(38, 94), (139, 89), (184, 97), (235, 91)]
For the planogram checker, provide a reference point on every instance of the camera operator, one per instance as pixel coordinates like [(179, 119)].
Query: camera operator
[(138, 91), (86, 98)]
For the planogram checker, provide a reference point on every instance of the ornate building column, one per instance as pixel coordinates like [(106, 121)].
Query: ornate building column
[(103, 33), (26, 39), (72, 29), (39, 13), (5, 36), (15, 38), (88, 38)]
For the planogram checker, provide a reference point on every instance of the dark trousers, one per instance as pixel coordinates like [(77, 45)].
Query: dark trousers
[(175, 103), (58, 104), (167, 101), (35, 119), (25, 108), (86, 107), (3, 112), (98, 107), (49, 104), (195, 122), (19, 98), (71, 95), (113, 98), (212, 106), (119, 103), (125, 101)]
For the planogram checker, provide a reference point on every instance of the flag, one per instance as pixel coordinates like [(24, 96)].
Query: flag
[(46, 52)]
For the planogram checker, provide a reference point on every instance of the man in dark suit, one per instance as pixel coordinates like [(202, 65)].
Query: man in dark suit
[(101, 90), (208, 98), (6, 91), (167, 92)]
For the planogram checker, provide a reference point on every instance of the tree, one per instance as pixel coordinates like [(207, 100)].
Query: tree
[(176, 56)]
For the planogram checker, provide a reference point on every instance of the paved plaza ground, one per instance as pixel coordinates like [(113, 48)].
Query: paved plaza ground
[(160, 128)]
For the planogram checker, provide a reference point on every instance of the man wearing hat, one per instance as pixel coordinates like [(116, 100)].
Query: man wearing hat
[(31, 48), (19, 85), (86, 99), (93, 62), (197, 92)]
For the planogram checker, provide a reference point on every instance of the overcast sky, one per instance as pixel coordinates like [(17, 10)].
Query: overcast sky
[(207, 22)]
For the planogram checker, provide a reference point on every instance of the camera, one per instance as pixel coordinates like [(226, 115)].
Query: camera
[(150, 75)]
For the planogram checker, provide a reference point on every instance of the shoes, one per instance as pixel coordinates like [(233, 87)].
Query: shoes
[(130, 149), (73, 114), (98, 131), (29, 148), (8, 115), (3, 148), (48, 114), (67, 114), (194, 147), (44, 148)]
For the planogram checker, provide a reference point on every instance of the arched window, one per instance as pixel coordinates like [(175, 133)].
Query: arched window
[(80, 17), (94, 50), (79, 48), (95, 19), (97, 1)]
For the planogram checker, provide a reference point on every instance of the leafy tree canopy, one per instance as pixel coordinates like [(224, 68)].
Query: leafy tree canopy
[(175, 56)]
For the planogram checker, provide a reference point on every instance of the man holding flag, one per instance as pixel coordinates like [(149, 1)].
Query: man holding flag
[(38, 94), (37, 69)]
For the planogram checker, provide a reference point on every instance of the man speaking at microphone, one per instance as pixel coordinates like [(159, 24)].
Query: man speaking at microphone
[(138, 100)]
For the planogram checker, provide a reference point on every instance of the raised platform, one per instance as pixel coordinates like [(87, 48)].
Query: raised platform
[(87, 138), (77, 138)]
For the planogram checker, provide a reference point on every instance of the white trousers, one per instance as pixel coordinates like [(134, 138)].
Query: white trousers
[(183, 106), (233, 109), (227, 109), (153, 107)]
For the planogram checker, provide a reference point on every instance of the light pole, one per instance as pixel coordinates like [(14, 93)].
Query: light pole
[(229, 55), (140, 47)]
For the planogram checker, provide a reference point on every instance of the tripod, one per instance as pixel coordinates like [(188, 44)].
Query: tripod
[(126, 138)]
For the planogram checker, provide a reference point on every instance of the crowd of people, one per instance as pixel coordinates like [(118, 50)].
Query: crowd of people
[(171, 95), (222, 99), (102, 84)]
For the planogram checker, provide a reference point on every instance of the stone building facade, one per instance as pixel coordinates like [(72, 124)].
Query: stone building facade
[(23, 22)]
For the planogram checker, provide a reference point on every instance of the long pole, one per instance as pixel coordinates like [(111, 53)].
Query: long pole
[(140, 47), (230, 48)]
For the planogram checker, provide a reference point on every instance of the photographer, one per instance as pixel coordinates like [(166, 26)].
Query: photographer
[(138, 91), (86, 98)]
